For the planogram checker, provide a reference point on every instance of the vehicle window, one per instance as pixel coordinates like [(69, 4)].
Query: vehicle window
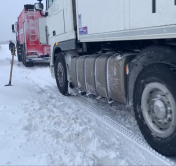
[(50, 2)]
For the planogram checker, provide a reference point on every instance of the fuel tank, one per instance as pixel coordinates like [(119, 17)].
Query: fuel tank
[(117, 78), (101, 75), (73, 71), (81, 73), (90, 74)]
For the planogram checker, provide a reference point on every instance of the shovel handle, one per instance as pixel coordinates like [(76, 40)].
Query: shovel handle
[(13, 53)]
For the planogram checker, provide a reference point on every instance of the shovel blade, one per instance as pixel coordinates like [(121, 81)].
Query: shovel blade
[(8, 85)]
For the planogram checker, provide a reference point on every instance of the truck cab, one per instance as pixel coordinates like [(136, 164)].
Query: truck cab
[(61, 31)]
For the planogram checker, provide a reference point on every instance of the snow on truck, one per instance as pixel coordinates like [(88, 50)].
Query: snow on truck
[(124, 51), (31, 44)]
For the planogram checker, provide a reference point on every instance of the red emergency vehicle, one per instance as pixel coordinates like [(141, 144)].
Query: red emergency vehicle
[(31, 43)]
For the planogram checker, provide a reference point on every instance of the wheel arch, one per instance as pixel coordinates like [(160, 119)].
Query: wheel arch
[(63, 47), (158, 54), (67, 55), (56, 51)]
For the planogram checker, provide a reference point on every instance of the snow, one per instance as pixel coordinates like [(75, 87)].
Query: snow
[(39, 126)]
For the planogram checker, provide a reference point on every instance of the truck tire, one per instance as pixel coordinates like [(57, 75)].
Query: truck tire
[(19, 57), (18, 53), (61, 74), (23, 52), (155, 107)]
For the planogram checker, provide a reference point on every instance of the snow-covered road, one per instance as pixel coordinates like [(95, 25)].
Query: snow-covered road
[(39, 126)]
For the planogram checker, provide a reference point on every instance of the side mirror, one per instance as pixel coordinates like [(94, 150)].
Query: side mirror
[(38, 6), (13, 28)]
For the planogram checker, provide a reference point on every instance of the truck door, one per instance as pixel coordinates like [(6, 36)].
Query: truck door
[(59, 17), (50, 20), (42, 31), (55, 19)]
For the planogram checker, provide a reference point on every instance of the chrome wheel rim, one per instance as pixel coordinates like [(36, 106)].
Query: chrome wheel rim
[(158, 109), (60, 74)]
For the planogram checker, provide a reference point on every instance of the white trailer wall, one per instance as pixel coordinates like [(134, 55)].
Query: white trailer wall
[(101, 16), (141, 15), (107, 20)]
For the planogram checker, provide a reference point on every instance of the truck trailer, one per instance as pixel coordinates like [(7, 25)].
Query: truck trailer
[(30, 42), (120, 50)]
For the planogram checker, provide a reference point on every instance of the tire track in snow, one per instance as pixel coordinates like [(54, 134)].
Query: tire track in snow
[(94, 111), (140, 142), (122, 130)]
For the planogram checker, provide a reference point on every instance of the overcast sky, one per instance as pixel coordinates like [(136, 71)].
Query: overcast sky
[(10, 10)]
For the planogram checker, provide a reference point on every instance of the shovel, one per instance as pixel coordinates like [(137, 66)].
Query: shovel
[(13, 53)]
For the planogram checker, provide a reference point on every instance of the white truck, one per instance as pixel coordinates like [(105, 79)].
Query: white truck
[(121, 50)]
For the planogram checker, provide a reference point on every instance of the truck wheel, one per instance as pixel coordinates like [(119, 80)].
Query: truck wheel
[(19, 57), (18, 53), (61, 75), (155, 107), (23, 52)]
